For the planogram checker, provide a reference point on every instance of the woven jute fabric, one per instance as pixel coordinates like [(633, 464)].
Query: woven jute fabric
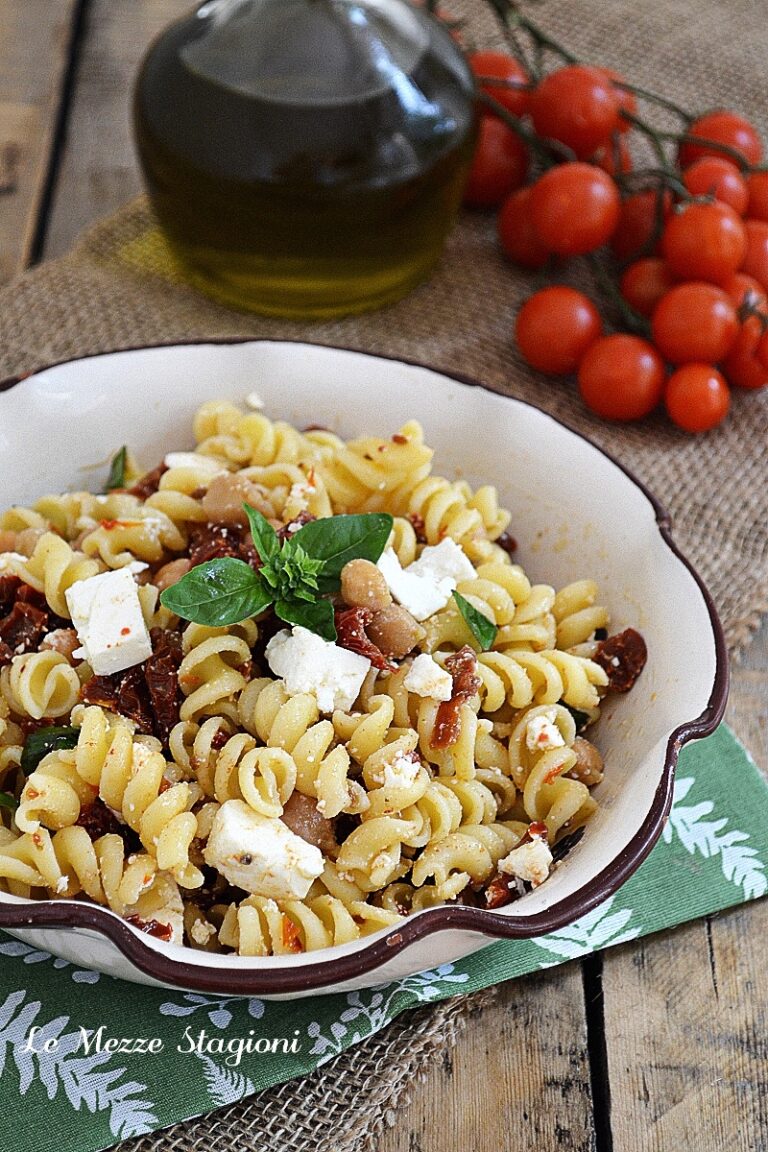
[(119, 288)]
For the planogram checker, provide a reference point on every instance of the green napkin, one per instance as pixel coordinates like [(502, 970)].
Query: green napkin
[(712, 855)]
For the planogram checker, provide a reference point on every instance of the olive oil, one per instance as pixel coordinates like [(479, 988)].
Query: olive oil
[(306, 158)]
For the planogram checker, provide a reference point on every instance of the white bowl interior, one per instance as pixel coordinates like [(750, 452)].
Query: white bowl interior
[(574, 514)]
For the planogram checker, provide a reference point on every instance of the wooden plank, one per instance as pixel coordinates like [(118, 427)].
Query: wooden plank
[(98, 171), (686, 1013), (518, 1077), (34, 46)]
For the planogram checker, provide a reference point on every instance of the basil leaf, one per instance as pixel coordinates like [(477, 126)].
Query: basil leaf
[(264, 535), (317, 617), (217, 593), (8, 801), (483, 629), (116, 478), (339, 539), (38, 744)]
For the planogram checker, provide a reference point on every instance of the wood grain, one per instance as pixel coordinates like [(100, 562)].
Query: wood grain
[(517, 1079), (34, 41), (98, 169)]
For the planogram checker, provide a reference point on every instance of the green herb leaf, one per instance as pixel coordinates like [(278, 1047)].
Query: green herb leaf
[(317, 617), (218, 593), (264, 536), (483, 629), (38, 744), (8, 801), (116, 478), (339, 539)]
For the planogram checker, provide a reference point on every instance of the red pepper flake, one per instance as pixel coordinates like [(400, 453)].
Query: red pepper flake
[(462, 666), (398, 438), (291, 935), (623, 658), (537, 828), (125, 631), (152, 928), (351, 624), (419, 527)]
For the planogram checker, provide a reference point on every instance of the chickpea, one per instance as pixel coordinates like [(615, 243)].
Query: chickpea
[(588, 768), (170, 573), (62, 640), (223, 502), (8, 540), (363, 586), (394, 631)]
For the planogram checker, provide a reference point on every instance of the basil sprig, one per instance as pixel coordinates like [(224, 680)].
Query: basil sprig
[(8, 801), (293, 577), (38, 744), (117, 469), (483, 629)]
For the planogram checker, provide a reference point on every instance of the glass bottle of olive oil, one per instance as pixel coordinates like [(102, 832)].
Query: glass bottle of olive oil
[(305, 158)]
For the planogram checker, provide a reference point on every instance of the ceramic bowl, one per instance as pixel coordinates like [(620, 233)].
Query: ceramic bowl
[(575, 513)]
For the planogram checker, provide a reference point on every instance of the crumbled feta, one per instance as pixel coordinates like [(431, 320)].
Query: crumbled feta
[(261, 855), (531, 861), (106, 614), (400, 772), (541, 732), (201, 932), (425, 586), (425, 677), (7, 559), (136, 566), (254, 401), (307, 663), (195, 460)]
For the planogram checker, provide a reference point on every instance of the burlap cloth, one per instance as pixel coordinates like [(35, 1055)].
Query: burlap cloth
[(119, 288)]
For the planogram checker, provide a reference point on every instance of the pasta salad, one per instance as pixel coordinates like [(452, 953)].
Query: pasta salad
[(283, 690)]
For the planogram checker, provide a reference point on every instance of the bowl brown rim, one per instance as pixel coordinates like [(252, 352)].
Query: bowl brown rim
[(324, 974)]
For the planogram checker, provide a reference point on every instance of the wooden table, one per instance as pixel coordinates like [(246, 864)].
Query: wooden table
[(659, 1044)]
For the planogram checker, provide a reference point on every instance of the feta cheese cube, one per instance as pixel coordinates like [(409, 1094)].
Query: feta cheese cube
[(307, 663), (106, 614), (196, 460), (531, 862), (9, 559), (542, 733), (260, 854), (426, 678), (425, 586)]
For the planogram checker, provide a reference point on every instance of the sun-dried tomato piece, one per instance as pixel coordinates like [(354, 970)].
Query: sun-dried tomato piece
[(298, 521), (462, 666), (9, 586), (212, 542), (152, 927), (6, 655), (507, 542), (500, 890), (291, 936), (24, 627), (350, 634), (419, 527), (148, 484), (161, 675), (125, 693), (99, 820), (623, 658)]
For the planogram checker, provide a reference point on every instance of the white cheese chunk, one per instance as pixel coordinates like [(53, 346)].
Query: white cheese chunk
[(307, 663), (542, 733), (8, 559), (254, 401), (106, 614), (261, 855), (530, 862), (400, 772), (425, 586), (196, 460), (426, 678)]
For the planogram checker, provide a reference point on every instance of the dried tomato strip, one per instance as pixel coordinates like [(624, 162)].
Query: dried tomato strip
[(351, 624), (462, 666)]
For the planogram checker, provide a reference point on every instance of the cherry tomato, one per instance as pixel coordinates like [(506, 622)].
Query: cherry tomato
[(577, 106), (722, 127), (694, 322), (621, 377), (718, 177), (613, 157), (555, 327), (756, 260), (757, 186), (499, 166), (744, 366), (516, 233), (627, 100), (637, 222), (697, 397), (500, 66), (704, 242), (644, 283), (574, 208), (744, 289)]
